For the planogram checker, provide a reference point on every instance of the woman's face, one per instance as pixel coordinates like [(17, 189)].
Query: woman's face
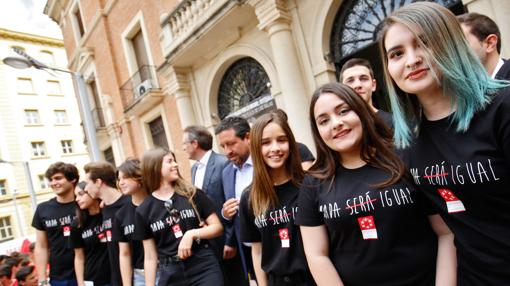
[(406, 62), (169, 168), (275, 146), (127, 185), (339, 126), (82, 198)]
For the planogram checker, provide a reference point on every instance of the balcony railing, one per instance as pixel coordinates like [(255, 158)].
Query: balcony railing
[(143, 82)]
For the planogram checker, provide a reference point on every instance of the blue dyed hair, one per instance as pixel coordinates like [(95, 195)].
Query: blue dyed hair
[(457, 69)]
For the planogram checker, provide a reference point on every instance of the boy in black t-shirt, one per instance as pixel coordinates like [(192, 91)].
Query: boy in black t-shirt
[(52, 220), (101, 181)]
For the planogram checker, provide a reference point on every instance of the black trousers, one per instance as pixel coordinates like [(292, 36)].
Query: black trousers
[(200, 269)]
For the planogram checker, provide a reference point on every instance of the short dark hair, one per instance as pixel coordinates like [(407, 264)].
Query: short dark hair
[(69, 170), (5, 270), (23, 272), (104, 171), (481, 26), (356, 62), (201, 135), (239, 124)]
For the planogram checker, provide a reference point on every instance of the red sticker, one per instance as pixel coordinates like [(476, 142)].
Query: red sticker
[(367, 226), (284, 237), (177, 230), (67, 230), (453, 204)]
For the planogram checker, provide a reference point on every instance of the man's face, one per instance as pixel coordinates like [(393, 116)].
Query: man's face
[(476, 45), (189, 146), (92, 188), (236, 149), (359, 79), (30, 280), (60, 185)]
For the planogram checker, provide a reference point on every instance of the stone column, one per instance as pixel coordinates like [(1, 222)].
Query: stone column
[(275, 20), (179, 86)]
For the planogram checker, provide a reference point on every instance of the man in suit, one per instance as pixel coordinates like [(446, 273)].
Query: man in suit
[(234, 138), (484, 38), (206, 174)]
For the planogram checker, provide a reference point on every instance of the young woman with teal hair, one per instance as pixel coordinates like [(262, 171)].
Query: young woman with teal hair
[(459, 153)]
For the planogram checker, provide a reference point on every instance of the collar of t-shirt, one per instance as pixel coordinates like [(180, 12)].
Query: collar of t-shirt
[(200, 173), (497, 68), (244, 176)]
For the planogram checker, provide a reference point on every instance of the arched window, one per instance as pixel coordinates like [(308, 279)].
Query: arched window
[(244, 81)]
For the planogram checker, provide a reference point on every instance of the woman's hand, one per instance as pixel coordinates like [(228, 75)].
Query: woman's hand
[(184, 250)]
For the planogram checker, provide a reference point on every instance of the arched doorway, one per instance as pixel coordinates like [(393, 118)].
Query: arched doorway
[(244, 82), (355, 31)]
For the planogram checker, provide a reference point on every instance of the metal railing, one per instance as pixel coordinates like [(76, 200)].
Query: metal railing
[(141, 83)]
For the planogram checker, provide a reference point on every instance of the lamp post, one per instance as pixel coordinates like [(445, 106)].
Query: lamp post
[(18, 216), (28, 179), (27, 61)]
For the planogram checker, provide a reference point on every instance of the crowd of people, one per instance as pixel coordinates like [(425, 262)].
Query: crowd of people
[(415, 196), (17, 268)]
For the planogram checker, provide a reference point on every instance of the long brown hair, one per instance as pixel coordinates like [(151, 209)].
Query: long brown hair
[(376, 144), (150, 167), (131, 169), (263, 195)]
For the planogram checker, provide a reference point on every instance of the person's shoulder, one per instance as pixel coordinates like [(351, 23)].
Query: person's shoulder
[(146, 204), (229, 168)]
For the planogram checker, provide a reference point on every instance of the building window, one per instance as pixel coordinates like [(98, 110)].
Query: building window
[(95, 105), (5, 229), (158, 134), (54, 87), (77, 22), (3, 188), (108, 156), (67, 146), (244, 81), (43, 183), (25, 85), (32, 117), (141, 57), (38, 149), (61, 117), (46, 57)]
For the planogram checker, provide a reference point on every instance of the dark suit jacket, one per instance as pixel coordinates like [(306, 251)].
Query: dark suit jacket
[(212, 185), (504, 71), (233, 227)]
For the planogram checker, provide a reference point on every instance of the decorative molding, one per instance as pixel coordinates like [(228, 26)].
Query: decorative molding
[(31, 38), (270, 12), (177, 79)]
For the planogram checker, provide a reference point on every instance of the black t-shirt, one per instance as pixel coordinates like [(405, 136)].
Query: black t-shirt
[(305, 153), (108, 213), (154, 221), (282, 246), (386, 116), (92, 239), (55, 219), (466, 175), (123, 231), (376, 236)]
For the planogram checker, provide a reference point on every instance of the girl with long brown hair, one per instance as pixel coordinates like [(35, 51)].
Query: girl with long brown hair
[(169, 224), (362, 222), (268, 207)]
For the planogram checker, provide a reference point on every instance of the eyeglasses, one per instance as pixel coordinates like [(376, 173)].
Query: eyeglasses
[(174, 213)]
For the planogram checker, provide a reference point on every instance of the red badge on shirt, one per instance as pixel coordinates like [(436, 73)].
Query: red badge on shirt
[(108, 235), (67, 230), (177, 230), (453, 204), (101, 237), (367, 226), (284, 237)]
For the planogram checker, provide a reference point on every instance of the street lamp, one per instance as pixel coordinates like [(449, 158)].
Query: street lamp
[(27, 61), (28, 178)]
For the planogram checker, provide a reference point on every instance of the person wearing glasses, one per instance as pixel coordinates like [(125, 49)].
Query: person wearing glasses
[(169, 222), (88, 239), (130, 250), (268, 207)]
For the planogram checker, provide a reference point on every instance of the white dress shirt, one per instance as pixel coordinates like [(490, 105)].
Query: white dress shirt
[(201, 166), (497, 68), (244, 177)]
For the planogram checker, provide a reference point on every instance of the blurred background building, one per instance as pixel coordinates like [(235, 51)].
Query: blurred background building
[(156, 66), (39, 125)]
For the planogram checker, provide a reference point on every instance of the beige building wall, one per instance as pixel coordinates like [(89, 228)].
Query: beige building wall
[(42, 92)]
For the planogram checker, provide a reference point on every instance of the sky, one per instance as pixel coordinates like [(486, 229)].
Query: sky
[(27, 16)]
